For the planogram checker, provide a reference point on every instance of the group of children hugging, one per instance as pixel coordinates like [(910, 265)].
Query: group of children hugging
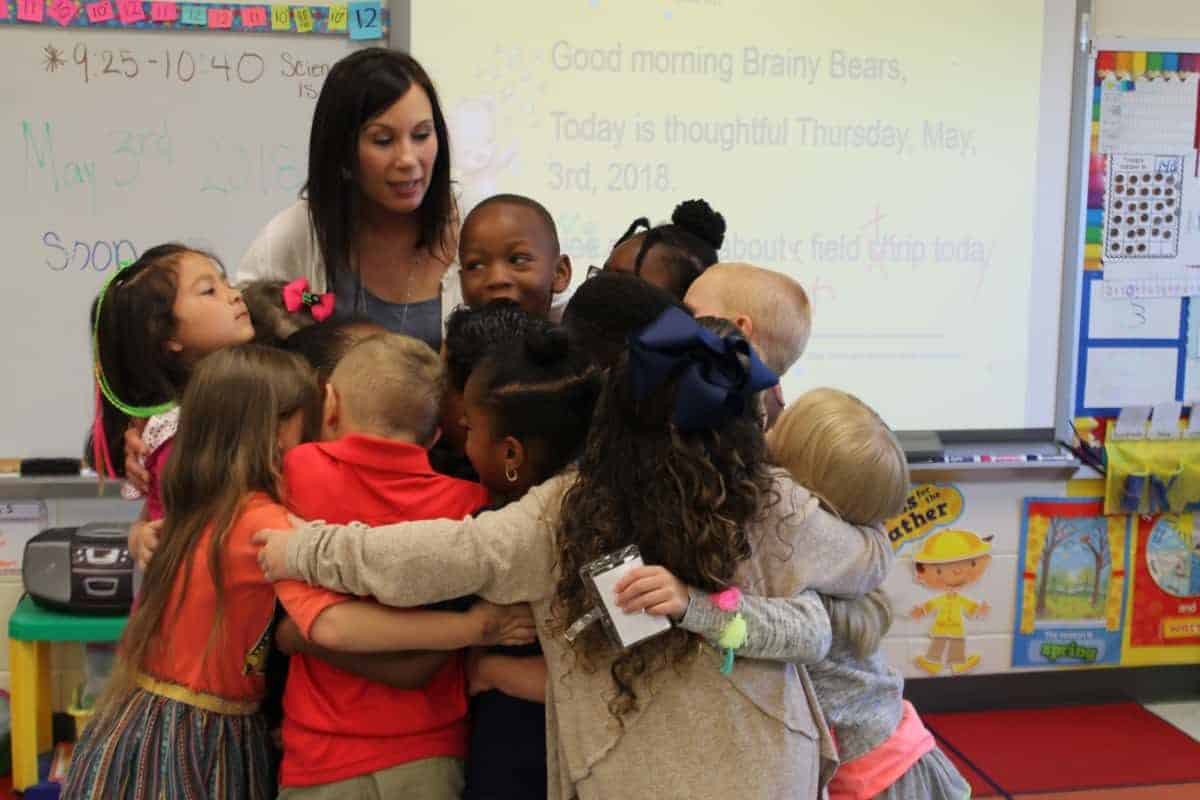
[(363, 559)]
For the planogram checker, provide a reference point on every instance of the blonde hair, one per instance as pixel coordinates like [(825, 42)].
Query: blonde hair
[(391, 386), (776, 304), (862, 622), (837, 447)]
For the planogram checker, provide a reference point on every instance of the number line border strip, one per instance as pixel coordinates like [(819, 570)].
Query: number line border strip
[(320, 20)]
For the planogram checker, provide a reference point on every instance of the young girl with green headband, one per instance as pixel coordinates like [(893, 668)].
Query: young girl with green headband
[(152, 322)]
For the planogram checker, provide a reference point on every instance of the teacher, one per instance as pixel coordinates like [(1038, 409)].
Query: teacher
[(376, 223)]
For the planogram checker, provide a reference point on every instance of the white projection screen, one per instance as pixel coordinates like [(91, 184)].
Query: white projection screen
[(905, 161)]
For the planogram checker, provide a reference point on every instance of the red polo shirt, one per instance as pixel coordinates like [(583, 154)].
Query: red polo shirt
[(337, 725)]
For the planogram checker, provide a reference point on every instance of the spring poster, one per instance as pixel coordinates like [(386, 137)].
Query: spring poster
[(1071, 602)]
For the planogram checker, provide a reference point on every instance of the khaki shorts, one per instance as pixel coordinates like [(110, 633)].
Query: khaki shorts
[(427, 779)]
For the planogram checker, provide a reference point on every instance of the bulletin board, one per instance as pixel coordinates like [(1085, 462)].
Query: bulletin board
[(1137, 340)]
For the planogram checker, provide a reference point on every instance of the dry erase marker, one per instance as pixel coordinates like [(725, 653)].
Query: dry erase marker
[(1049, 457), (1003, 459), (962, 459)]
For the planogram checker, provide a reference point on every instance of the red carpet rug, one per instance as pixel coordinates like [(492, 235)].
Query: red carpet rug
[(1069, 747)]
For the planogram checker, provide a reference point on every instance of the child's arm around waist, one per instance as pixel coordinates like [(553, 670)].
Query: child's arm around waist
[(359, 626), (346, 623), (792, 629), (401, 670), (523, 677)]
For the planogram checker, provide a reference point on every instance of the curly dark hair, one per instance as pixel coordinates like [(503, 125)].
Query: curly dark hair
[(542, 391), (473, 333), (685, 499)]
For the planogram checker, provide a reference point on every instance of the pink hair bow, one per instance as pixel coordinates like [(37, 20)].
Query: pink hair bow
[(296, 296)]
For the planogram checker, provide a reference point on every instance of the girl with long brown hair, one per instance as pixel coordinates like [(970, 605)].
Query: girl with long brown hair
[(674, 463), (180, 718)]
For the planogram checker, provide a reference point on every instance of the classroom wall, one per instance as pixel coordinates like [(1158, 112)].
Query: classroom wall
[(1160, 19), (991, 508), (995, 508)]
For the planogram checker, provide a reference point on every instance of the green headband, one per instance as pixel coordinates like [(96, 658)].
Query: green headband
[(109, 394)]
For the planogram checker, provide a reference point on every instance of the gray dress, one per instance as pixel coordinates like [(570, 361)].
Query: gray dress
[(861, 697), (862, 700)]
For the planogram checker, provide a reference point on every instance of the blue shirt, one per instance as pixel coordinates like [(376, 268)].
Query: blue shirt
[(420, 320)]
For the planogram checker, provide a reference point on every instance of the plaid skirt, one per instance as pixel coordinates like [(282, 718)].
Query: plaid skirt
[(155, 748)]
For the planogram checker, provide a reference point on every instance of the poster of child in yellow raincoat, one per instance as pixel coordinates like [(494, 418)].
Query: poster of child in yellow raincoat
[(948, 562)]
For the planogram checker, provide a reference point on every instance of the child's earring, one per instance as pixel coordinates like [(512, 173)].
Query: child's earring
[(510, 473)]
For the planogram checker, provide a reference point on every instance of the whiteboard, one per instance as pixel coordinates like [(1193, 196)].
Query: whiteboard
[(98, 170), (906, 162), (112, 142)]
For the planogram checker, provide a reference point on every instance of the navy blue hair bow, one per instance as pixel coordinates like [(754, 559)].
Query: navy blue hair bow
[(716, 375)]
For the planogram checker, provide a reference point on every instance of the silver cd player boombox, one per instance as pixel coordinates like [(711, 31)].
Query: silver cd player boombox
[(84, 570)]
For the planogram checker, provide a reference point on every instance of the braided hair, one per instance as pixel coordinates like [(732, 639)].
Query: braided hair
[(692, 239), (541, 391)]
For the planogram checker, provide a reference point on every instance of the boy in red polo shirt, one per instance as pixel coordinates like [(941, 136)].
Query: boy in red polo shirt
[(345, 736)]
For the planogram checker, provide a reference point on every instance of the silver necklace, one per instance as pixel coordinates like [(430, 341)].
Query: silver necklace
[(408, 297)]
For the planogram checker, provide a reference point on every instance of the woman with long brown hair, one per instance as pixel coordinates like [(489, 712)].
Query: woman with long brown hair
[(376, 224), (675, 464)]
